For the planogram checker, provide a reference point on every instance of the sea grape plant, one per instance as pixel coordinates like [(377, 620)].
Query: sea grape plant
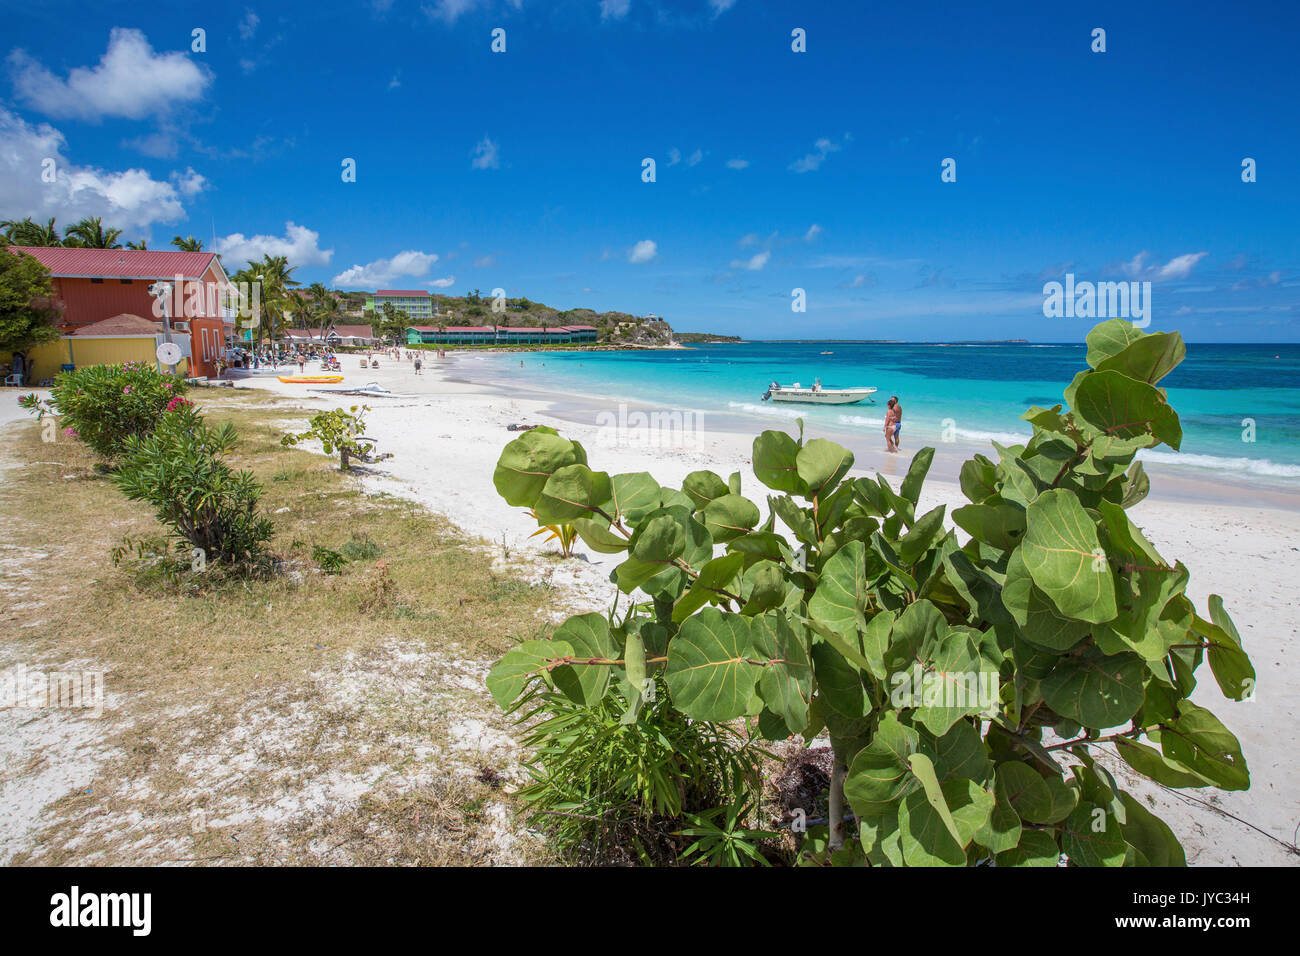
[(340, 431), (966, 678)]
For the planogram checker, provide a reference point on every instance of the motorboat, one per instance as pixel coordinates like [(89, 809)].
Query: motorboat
[(817, 395)]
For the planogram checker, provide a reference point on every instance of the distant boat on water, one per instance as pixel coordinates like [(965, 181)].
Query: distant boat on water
[(828, 353), (817, 395)]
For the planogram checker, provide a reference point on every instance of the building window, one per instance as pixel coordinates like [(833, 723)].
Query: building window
[(97, 281), (124, 281)]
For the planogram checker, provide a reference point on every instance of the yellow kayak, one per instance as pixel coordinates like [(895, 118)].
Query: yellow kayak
[(311, 379)]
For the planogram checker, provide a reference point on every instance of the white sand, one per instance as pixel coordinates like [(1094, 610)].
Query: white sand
[(447, 435)]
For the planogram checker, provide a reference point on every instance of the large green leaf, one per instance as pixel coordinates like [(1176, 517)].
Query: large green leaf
[(1035, 798), (763, 586), (1094, 689), (999, 524), (915, 477), (930, 836), (880, 773), (922, 536), (710, 671), (1231, 667), (821, 464), (590, 638), (1092, 837), (635, 495), (839, 682), (730, 516), (1036, 848), (1152, 763), (785, 684), (510, 675), (1037, 617), (1197, 740), (1109, 338), (774, 462), (1148, 359), (528, 462), (597, 535), (702, 487), (1126, 414), (841, 591), (574, 491), (1150, 835), (1065, 559)]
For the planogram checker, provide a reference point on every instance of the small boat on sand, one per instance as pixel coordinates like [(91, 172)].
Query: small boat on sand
[(311, 379), (817, 395)]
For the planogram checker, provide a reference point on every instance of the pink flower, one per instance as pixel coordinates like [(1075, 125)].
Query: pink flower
[(127, 390), (70, 432)]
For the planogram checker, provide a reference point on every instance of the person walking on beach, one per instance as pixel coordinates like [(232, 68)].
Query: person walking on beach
[(893, 423), (417, 365)]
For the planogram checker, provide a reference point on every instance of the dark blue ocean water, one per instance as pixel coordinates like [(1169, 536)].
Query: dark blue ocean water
[(977, 391)]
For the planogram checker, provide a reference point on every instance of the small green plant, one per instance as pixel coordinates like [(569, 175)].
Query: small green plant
[(967, 686), (106, 405), (360, 547), (610, 785), (178, 469), (340, 431), (331, 562), (721, 839), (562, 532)]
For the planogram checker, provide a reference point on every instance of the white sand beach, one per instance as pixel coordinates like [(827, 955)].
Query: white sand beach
[(446, 434)]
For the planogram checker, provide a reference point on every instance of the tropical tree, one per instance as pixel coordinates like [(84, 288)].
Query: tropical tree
[(25, 320), (140, 245), (188, 244), (90, 233), (325, 308), (27, 232), (393, 322)]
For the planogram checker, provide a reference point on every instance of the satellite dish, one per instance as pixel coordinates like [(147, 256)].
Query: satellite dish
[(169, 353)]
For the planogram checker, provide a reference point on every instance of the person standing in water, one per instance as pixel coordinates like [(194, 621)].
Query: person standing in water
[(893, 424)]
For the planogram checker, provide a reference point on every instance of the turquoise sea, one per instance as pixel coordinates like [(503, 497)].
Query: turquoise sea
[(981, 388)]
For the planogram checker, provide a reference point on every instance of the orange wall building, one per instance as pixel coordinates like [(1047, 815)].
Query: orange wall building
[(90, 285)]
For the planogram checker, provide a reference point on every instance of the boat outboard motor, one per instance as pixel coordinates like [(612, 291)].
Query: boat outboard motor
[(768, 393)]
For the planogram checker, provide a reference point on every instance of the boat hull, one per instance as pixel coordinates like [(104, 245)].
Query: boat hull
[(311, 379), (806, 396)]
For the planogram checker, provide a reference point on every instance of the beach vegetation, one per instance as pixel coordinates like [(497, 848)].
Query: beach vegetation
[(563, 532), (970, 679), (340, 431), (208, 506), (108, 405)]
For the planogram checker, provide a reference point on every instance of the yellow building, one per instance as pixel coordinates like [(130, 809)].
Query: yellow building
[(123, 338)]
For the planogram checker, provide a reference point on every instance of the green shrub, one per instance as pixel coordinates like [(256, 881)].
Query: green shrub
[(104, 405), (178, 469), (967, 687), (607, 789)]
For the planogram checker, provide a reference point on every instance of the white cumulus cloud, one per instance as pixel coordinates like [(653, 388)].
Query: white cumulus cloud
[(129, 199), (299, 244), (1179, 267), (382, 272), (643, 251), (131, 81)]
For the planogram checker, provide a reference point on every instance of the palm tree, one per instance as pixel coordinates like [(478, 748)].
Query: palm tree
[(325, 306), (26, 232), (140, 246), (90, 233), (188, 244), (276, 276)]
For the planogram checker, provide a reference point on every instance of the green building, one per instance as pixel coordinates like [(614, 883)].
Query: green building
[(501, 335), (417, 304)]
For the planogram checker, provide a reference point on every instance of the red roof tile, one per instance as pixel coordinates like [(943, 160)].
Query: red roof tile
[(124, 324), (72, 263)]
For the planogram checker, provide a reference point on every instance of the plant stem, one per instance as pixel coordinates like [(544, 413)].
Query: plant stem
[(839, 770)]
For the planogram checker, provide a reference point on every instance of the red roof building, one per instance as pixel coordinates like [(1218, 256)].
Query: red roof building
[(92, 285)]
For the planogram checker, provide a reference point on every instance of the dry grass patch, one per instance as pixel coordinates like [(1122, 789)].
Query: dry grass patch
[(264, 721)]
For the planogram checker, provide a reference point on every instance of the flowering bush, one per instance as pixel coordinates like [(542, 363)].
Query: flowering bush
[(106, 404)]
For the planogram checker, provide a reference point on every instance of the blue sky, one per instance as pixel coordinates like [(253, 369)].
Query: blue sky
[(775, 170)]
